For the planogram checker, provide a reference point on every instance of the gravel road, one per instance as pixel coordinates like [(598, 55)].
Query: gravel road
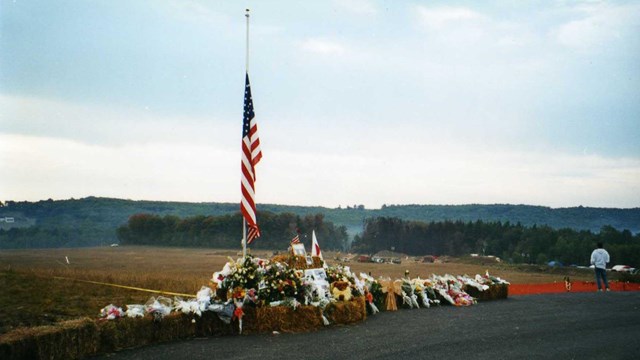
[(561, 326)]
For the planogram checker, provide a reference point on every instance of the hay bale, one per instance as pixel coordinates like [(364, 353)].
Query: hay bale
[(495, 292), (86, 337), (68, 340), (298, 262), (282, 258), (317, 263), (132, 332), (210, 324), (282, 319), (347, 312)]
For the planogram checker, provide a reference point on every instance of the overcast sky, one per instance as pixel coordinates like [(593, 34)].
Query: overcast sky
[(357, 102)]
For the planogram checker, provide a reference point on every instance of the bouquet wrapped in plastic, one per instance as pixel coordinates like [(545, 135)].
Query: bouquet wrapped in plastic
[(111, 312), (187, 307), (158, 307), (135, 310)]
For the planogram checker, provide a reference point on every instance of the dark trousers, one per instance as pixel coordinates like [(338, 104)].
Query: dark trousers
[(601, 274)]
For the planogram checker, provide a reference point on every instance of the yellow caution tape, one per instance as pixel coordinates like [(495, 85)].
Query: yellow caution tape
[(125, 287)]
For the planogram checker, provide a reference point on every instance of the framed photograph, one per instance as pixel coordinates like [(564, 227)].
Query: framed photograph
[(298, 250)]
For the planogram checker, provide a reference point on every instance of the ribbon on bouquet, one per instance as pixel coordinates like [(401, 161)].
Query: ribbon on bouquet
[(389, 288)]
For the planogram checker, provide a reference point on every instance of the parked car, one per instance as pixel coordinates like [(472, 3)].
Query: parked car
[(623, 268)]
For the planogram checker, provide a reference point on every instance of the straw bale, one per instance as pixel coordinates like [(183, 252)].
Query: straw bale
[(495, 292), (85, 337), (67, 340), (347, 312), (282, 319), (297, 262)]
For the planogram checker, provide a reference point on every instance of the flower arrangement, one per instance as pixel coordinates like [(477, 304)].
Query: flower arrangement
[(279, 291), (280, 282), (343, 273), (373, 292), (244, 274)]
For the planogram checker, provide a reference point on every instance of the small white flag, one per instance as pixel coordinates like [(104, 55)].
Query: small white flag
[(315, 248)]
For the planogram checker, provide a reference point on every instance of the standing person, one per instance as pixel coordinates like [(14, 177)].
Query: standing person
[(599, 259)]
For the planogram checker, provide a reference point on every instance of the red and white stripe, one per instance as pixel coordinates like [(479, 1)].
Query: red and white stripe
[(251, 155), (296, 240)]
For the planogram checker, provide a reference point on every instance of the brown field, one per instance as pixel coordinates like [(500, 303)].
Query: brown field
[(32, 295)]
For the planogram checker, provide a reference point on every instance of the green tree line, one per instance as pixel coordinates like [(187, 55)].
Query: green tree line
[(54, 237), (225, 231), (513, 242)]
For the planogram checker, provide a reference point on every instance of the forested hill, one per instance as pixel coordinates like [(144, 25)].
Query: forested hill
[(93, 221), (577, 218)]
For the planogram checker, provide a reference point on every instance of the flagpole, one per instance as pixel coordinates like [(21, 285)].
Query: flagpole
[(244, 221), (247, 57)]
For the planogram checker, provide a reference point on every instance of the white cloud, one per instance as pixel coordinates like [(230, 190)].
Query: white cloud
[(598, 24), (112, 125), (358, 7), (441, 173), (36, 168), (196, 12), (434, 172), (437, 18), (323, 46)]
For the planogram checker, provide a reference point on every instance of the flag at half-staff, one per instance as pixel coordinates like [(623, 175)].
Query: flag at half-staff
[(295, 240), (251, 155)]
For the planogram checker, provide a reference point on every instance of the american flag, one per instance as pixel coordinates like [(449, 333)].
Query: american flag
[(296, 239), (251, 155)]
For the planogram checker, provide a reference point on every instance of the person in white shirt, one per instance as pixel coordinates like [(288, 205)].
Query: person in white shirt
[(599, 260)]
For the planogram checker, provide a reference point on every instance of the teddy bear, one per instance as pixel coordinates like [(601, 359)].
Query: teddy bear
[(341, 290)]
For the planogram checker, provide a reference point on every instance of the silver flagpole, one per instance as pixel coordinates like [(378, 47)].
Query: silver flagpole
[(247, 15), (244, 237), (244, 221)]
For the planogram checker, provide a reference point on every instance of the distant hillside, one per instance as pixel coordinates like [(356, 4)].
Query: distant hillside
[(93, 221), (577, 218)]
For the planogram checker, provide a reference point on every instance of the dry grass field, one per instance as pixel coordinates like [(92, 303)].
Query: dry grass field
[(33, 293)]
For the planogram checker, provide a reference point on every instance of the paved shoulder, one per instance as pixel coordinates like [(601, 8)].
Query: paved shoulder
[(567, 326)]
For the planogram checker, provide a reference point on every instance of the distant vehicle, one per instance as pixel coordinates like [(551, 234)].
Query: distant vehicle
[(623, 268), (114, 245)]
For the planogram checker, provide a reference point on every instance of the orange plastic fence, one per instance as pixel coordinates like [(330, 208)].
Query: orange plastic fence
[(560, 287)]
